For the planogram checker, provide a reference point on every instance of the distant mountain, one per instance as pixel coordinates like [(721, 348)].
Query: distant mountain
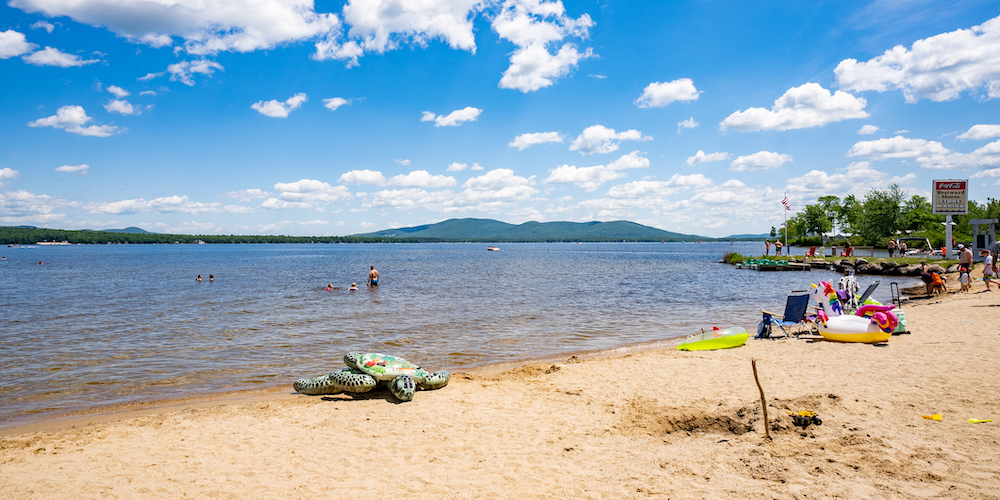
[(129, 230), (761, 237), (493, 230)]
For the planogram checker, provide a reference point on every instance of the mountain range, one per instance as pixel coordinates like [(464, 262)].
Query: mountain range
[(493, 230)]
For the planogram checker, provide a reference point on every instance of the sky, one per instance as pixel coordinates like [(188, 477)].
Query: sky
[(337, 118)]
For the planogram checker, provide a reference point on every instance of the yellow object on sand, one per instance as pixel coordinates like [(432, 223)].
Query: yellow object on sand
[(936, 416), (715, 339), (977, 421)]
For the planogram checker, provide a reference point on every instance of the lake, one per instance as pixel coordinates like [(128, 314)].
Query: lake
[(105, 325)]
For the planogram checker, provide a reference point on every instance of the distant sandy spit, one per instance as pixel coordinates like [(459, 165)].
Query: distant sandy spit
[(658, 423)]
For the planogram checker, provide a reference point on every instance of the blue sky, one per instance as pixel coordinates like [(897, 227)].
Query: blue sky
[(335, 118)]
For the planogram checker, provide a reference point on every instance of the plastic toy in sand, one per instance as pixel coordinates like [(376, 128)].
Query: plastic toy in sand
[(365, 371), (716, 338), (871, 323)]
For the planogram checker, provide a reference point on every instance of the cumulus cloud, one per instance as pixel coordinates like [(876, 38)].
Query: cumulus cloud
[(13, 44), (306, 194), (335, 102), (660, 94), (453, 119), (167, 204), (7, 174), (525, 141), (457, 167), (48, 27), (868, 130), (75, 169), (362, 177), (421, 178), (761, 160), (536, 27), (857, 178), (118, 91), (701, 157), (591, 178), (809, 105), (205, 27), (184, 71), (986, 156), (277, 109), (246, 195), (689, 123), (981, 132), (600, 139), (121, 107), (402, 161), (55, 57), (938, 68), (897, 147), (72, 118), (19, 207)]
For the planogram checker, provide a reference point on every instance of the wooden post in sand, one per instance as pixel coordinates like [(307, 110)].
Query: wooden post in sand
[(763, 402)]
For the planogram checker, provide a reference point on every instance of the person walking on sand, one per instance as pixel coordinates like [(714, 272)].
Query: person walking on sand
[(988, 272), (373, 277), (964, 259)]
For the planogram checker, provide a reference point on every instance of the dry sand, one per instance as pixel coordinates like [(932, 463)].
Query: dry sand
[(658, 423)]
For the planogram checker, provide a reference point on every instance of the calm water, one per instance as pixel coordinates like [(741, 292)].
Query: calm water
[(104, 325)]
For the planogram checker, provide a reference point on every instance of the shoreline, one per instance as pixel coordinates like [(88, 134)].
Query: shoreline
[(653, 422)]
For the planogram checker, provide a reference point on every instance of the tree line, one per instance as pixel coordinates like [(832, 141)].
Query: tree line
[(30, 236), (880, 215)]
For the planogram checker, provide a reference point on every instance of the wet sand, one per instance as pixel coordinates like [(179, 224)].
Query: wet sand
[(654, 423)]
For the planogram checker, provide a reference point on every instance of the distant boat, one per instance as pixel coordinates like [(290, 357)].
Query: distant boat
[(493, 249)]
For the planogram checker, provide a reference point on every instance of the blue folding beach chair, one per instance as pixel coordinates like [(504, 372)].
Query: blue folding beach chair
[(793, 321)]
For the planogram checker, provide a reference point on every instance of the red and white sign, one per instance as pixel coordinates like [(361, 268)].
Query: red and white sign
[(950, 196)]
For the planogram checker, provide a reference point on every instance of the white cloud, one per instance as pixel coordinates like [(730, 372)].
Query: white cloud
[(54, 57), (701, 157), (118, 91), (524, 141), (362, 177), (857, 178), (206, 27), (72, 119), (167, 204), (457, 167), (897, 147), (600, 139), (48, 27), (276, 109), (306, 194), (13, 43), (21, 207), (868, 130), (809, 105), (591, 178), (453, 119), (122, 107), (246, 195), (148, 92), (402, 161), (421, 178), (77, 169), (185, 70), (761, 160), (938, 68), (993, 172), (986, 156), (335, 102), (475, 167), (7, 174), (660, 94), (534, 25), (981, 132), (689, 123)]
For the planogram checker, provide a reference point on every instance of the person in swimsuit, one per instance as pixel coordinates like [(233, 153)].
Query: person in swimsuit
[(199, 277), (373, 277), (354, 287)]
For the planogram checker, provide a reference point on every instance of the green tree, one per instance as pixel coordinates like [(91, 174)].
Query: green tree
[(881, 214), (814, 220), (774, 232)]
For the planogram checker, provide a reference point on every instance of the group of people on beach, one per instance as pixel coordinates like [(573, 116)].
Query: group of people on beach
[(372, 281), (936, 283)]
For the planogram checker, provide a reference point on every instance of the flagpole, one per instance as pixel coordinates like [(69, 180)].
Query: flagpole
[(788, 251)]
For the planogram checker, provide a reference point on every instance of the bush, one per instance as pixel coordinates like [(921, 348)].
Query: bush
[(734, 258)]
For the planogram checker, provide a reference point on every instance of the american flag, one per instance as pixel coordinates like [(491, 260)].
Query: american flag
[(786, 203)]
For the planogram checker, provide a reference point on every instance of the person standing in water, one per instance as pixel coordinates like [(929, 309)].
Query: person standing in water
[(373, 277)]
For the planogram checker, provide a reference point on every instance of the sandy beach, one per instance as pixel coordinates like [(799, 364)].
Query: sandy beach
[(653, 423)]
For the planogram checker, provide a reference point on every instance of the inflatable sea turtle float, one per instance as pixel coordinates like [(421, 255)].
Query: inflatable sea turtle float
[(365, 371)]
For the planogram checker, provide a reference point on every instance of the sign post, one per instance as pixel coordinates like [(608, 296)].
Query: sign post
[(950, 197)]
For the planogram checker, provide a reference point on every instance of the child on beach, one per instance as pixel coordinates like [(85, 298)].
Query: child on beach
[(987, 268), (963, 278)]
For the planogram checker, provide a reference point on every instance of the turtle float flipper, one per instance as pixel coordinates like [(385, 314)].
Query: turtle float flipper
[(335, 382), (435, 380)]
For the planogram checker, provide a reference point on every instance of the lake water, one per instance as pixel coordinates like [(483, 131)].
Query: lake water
[(104, 325)]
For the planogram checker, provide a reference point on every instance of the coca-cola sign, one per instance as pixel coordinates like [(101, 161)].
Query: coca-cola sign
[(951, 196)]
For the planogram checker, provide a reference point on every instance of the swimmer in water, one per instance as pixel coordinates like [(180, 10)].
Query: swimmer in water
[(199, 278), (329, 287), (211, 277), (354, 287), (373, 277)]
